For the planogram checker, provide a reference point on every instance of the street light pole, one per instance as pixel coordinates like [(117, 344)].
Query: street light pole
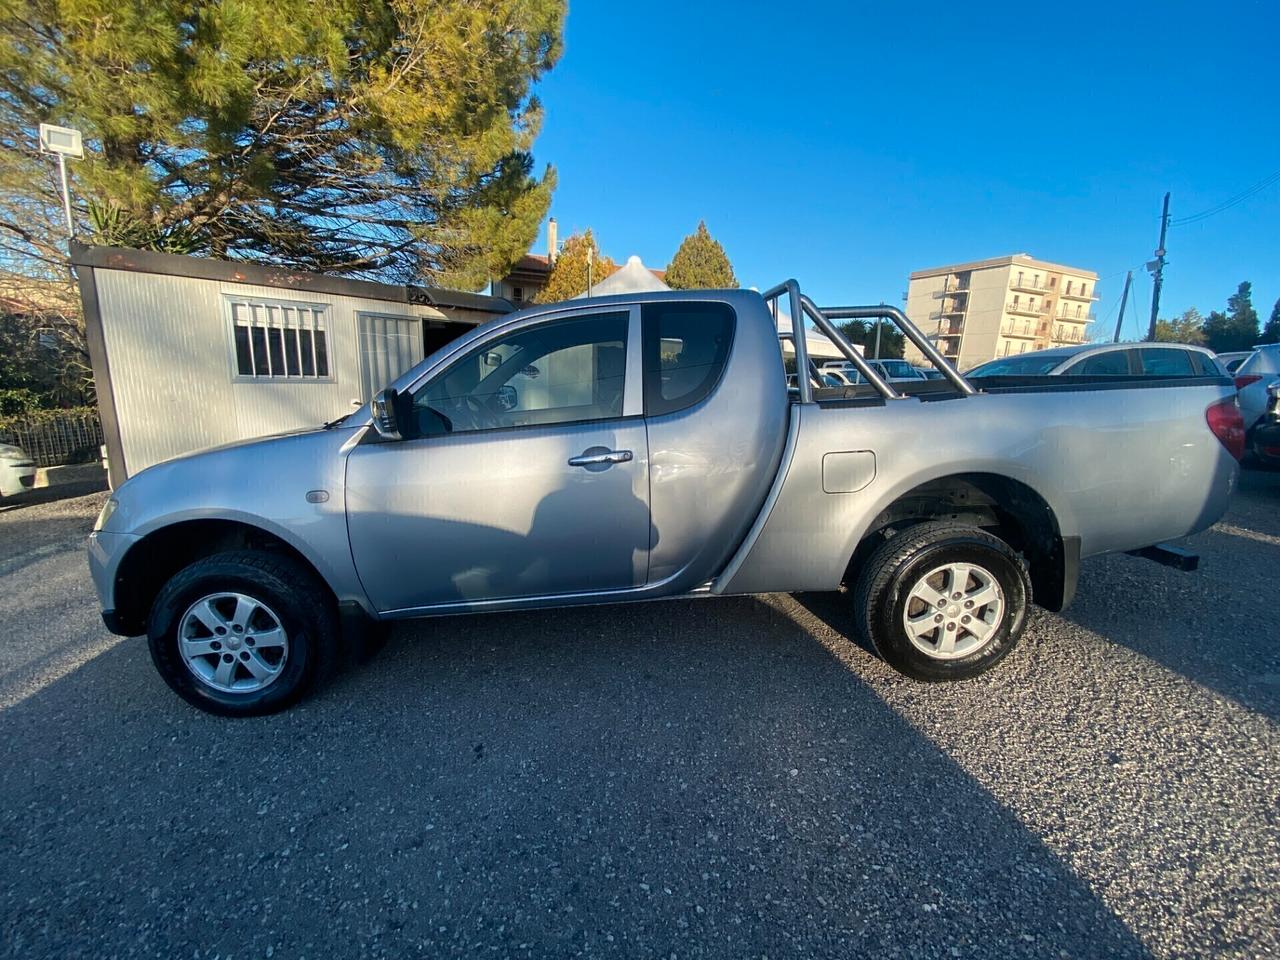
[(1124, 298), (64, 142), (1158, 273), (66, 196)]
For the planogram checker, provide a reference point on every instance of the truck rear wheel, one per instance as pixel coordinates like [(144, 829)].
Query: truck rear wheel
[(243, 633), (942, 601)]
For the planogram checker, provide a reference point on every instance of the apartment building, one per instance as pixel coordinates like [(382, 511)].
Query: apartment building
[(977, 311)]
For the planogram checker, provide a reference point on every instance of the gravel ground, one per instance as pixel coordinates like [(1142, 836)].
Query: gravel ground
[(692, 779)]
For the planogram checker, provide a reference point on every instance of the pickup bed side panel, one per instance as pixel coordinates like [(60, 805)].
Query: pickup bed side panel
[(1120, 469)]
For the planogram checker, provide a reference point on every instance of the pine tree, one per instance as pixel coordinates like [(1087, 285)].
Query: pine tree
[(568, 277), (700, 264), (892, 342), (1237, 329), (1271, 332), (387, 138), (1188, 328)]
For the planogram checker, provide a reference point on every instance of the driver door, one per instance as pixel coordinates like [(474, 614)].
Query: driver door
[(524, 473)]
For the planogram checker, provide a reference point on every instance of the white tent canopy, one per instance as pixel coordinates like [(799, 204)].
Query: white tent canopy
[(632, 277), (820, 348)]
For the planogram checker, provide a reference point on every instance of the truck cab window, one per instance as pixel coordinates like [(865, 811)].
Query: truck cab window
[(1166, 362), (686, 346), (1114, 363), (563, 371)]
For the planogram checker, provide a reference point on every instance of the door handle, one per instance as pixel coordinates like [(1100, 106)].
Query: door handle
[(592, 459)]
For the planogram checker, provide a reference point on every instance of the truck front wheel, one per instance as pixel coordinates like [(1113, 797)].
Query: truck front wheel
[(243, 633), (942, 601)]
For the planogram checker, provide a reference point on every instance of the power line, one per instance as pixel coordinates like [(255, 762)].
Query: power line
[(1228, 203)]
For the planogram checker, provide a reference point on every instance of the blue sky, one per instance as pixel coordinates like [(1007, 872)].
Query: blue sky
[(848, 144)]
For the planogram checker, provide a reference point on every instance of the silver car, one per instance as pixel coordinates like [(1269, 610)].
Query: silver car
[(1106, 360), (646, 446), (1259, 370)]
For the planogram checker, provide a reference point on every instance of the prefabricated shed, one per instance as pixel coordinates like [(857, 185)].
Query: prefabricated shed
[(189, 352)]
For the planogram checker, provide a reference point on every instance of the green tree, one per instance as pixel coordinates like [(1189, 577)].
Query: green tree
[(700, 264), (1237, 329), (892, 342), (1271, 332), (569, 274), (1187, 328), (388, 138)]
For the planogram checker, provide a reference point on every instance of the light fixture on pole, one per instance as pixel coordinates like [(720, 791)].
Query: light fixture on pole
[(65, 142)]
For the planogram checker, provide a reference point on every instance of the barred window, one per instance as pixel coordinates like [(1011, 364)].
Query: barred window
[(279, 340)]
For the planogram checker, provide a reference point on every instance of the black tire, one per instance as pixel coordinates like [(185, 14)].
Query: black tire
[(302, 603), (882, 593)]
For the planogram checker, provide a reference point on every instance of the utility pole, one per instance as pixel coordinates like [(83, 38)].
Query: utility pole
[(1124, 298), (1158, 272)]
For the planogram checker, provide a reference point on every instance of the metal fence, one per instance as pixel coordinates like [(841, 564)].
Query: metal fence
[(56, 437)]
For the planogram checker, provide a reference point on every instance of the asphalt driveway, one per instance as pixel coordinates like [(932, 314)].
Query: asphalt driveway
[(691, 779)]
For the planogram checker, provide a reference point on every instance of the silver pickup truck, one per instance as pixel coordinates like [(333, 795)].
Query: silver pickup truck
[(639, 447)]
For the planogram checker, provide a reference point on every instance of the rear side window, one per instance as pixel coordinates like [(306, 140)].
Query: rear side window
[(686, 346), (1166, 362), (1113, 364)]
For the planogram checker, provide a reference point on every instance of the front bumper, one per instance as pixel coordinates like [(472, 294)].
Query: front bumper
[(16, 477), (106, 550)]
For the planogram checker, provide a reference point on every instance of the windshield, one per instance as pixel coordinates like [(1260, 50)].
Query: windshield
[(1024, 366), (900, 368)]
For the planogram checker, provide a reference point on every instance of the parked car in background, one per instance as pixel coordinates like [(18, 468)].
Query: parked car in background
[(1253, 377), (889, 369), (929, 374), (17, 470), (1264, 438), (1106, 360), (1231, 360)]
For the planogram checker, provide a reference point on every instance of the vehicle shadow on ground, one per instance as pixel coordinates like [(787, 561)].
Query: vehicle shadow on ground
[(61, 491), (1203, 625), (697, 778)]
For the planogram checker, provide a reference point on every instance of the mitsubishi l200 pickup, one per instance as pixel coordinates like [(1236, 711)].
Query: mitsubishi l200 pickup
[(628, 448)]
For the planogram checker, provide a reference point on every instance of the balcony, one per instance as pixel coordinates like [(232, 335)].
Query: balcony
[(951, 292), (945, 313), (1069, 318), (1026, 309), (1030, 285), (1020, 330), (1077, 294), (1074, 336)]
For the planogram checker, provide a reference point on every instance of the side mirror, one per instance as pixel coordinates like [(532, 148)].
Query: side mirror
[(386, 418)]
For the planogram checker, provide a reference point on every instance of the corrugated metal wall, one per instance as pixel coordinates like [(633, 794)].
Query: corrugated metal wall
[(389, 345), (171, 351)]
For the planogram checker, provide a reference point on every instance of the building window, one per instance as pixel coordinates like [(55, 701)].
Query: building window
[(278, 340), (1053, 282), (1078, 308), (517, 294), (1036, 280), (1069, 282), (1084, 289), (1019, 278)]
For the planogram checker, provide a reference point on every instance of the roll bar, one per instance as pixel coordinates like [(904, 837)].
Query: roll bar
[(800, 306)]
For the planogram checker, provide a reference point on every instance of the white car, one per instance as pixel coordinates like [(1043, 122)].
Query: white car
[(1259, 371), (891, 370), (1232, 359), (17, 470)]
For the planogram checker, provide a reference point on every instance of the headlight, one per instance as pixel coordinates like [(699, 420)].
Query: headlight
[(108, 509), (9, 452)]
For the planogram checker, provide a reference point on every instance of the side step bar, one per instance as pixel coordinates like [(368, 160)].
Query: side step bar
[(1169, 556)]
